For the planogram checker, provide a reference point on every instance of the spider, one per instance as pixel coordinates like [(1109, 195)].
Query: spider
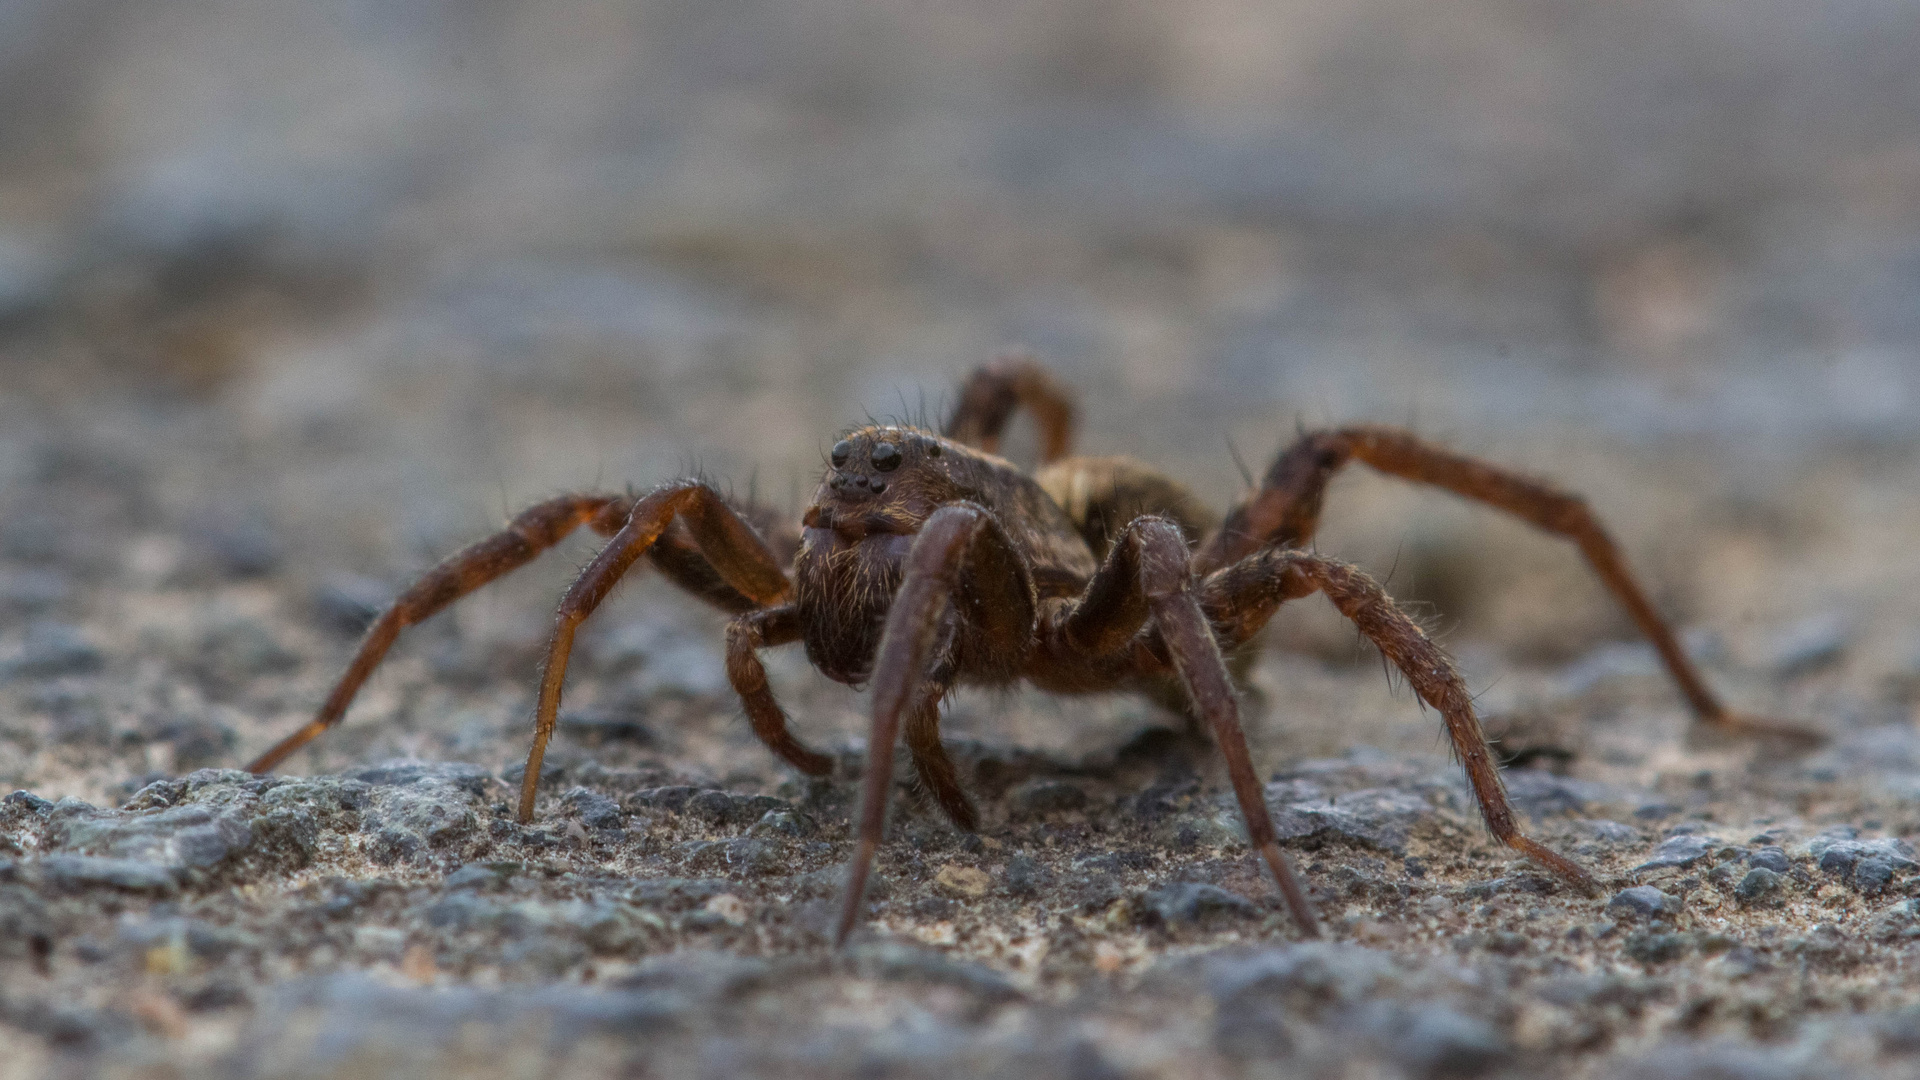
[(926, 561)]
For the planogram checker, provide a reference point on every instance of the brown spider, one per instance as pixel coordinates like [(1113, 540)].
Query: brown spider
[(926, 561)]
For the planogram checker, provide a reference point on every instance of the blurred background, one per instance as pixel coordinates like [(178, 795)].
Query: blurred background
[(296, 296)]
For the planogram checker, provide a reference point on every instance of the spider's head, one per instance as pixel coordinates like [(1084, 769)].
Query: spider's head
[(881, 479)]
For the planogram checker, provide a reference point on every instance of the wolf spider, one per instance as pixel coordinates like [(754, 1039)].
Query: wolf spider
[(926, 561)]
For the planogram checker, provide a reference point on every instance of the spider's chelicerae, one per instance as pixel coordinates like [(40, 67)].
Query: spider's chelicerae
[(926, 561)]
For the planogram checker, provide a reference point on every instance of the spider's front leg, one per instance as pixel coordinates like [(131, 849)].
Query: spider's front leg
[(1240, 599), (914, 665), (734, 551), (1146, 578), (526, 536)]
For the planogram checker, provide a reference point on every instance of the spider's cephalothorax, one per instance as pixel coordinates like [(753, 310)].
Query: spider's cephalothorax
[(925, 562), (882, 485)]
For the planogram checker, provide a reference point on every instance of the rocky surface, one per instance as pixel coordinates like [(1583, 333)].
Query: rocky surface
[(296, 299)]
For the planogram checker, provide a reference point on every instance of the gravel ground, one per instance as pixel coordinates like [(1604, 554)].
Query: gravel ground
[(296, 299), (664, 914)]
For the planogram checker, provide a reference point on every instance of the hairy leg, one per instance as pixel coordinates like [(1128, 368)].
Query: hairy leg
[(999, 613), (1285, 512), (729, 545), (1239, 599), (993, 391), (746, 636), (532, 532), (1146, 578)]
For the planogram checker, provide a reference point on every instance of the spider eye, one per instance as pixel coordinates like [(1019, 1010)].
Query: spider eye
[(885, 456), (933, 449), (841, 451)]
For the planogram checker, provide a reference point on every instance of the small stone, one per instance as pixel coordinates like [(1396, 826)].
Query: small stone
[(403, 773), (480, 877), (1433, 1041), (756, 857), (898, 962), (593, 809), (1644, 901), (1757, 883), (244, 544), (933, 908), (350, 602), (602, 726), (1025, 876), (1191, 832), (1770, 858), (1650, 947), (1189, 902), (1872, 875), (53, 648), (1841, 855), (27, 801), (1808, 645), (730, 908), (962, 881), (1678, 851), (1038, 798), (783, 823), (32, 589), (133, 875), (727, 808)]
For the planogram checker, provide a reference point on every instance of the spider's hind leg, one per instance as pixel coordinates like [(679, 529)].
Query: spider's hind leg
[(1285, 512)]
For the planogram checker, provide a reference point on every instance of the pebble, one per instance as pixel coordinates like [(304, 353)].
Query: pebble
[(1644, 901), (349, 603), (1656, 947), (962, 881), (1807, 646), (1844, 857), (1374, 817), (1678, 851), (596, 811), (54, 648), (32, 589), (1038, 798), (898, 962), (133, 875), (1431, 1040), (1770, 858), (1185, 903), (1025, 876)]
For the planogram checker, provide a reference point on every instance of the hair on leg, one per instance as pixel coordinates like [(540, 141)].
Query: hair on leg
[(533, 531), (729, 544), (1145, 578), (994, 390), (1241, 597), (957, 536), (1285, 512), (746, 636)]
